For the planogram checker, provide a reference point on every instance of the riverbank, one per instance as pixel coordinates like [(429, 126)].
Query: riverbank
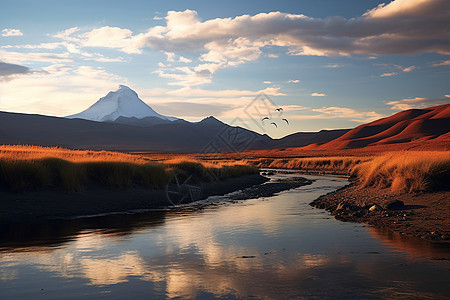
[(52, 203), (423, 215)]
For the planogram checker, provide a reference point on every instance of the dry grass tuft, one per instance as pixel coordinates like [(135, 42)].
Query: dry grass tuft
[(338, 164), (406, 171)]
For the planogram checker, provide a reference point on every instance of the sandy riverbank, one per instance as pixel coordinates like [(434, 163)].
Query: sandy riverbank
[(422, 215)]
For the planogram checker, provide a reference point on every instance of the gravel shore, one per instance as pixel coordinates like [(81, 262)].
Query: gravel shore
[(422, 215)]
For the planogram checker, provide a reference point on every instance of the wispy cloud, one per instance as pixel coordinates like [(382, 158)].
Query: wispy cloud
[(417, 102), (19, 57), (318, 94), (334, 112), (334, 66), (409, 69), (11, 32), (443, 63), (397, 67), (389, 74), (293, 81), (267, 82)]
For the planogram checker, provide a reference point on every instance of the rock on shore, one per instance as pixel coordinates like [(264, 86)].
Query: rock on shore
[(423, 215)]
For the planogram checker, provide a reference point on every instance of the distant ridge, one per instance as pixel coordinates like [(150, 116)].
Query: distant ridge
[(426, 129)]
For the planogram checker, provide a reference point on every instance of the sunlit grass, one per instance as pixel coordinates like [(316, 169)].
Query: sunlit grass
[(400, 171), (406, 171), (25, 168), (342, 164), (30, 167)]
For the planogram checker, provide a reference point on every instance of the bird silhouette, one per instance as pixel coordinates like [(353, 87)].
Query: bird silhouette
[(280, 109), (274, 124), (286, 121), (265, 118)]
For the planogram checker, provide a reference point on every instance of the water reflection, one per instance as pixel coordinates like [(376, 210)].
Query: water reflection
[(267, 248), (45, 236), (414, 247)]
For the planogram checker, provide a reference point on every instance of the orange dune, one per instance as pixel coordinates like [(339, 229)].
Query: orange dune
[(409, 126)]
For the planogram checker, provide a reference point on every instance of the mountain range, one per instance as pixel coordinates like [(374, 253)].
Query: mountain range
[(123, 122)]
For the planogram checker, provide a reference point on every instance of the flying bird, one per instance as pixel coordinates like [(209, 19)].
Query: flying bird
[(280, 109), (274, 124), (286, 121), (265, 118)]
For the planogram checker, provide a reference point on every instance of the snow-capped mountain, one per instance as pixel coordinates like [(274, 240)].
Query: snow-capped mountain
[(121, 103)]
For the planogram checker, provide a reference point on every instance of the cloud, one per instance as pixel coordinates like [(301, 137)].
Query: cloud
[(109, 37), (418, 102), (220, 103), (267, 82), (443, 63), (172, 57), (192, 109), (11, 32), (318, 94), (7, 70), (334, 65), (293, 81), (19, 57), (409, 69), (400, 8), (57, 90), (105, 37), (384, 30), (340, 113), (66, 34), (400, 27), (398, 67), (389, 74), (189, 93)]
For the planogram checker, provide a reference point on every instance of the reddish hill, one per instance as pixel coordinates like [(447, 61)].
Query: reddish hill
[(410, 128)]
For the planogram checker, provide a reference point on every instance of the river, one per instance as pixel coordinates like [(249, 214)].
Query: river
[(268, 248)]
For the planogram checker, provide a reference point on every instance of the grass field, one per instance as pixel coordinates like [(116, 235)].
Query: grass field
[(25, 168), (406, 171), (29, 167)]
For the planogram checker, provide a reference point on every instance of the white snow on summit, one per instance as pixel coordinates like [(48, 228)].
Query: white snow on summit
[(123, 102)]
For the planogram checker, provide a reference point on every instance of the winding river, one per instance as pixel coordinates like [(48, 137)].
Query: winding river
[(267, 248)]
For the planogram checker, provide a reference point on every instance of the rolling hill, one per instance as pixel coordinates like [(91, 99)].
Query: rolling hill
[(409, 128)]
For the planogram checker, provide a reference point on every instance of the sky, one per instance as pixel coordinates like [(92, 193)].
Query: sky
[(328, 64)]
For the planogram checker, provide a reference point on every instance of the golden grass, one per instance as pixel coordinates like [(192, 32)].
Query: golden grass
[(406, 171), (343, 164), (401, 171), (26, 152), (25, 168)]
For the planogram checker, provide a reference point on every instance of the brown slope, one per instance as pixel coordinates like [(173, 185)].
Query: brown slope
[(403, 127)]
